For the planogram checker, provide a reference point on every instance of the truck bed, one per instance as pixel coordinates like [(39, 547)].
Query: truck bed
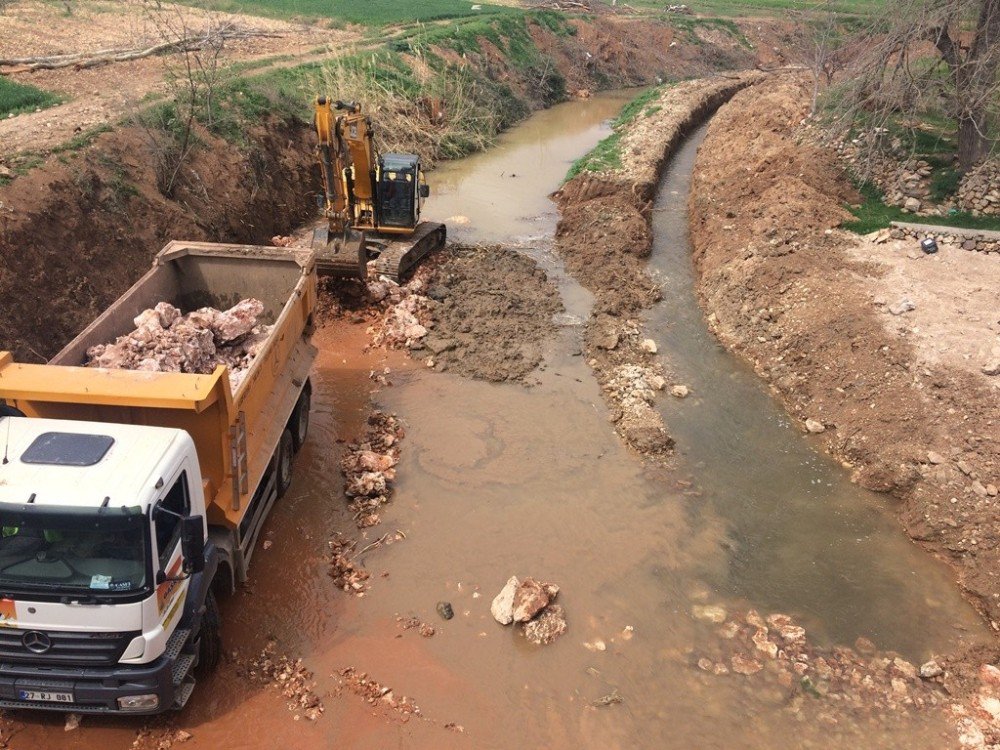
[(235, 433)]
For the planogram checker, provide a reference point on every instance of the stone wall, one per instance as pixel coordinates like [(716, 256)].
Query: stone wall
[(979, 191), (967, 239)]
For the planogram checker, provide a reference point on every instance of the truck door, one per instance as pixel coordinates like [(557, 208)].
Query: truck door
[(166, 517)]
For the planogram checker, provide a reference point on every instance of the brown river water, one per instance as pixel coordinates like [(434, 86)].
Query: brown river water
[(501, 480)]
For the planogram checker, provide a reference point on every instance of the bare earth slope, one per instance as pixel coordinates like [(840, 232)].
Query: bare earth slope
[(807, 303)]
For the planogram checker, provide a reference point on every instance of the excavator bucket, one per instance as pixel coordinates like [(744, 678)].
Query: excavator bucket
[(340, 254)]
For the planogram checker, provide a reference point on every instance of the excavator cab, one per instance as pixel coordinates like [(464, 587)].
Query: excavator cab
[(400, 193)]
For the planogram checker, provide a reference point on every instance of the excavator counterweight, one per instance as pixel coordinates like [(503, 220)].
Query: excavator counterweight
[(371, 202)]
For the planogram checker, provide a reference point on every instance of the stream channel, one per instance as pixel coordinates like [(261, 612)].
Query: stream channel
[(500, 480)]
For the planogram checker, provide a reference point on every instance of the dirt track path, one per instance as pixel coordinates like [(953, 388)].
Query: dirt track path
[(104, 95)]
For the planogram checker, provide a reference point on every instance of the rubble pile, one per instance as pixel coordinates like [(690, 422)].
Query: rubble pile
[(409, 623), (404, 307), (346, 575), (630, 376), (530, 604), (978, 721), (291, 678), (979, 191), (859, 679), (369, 467), (375, 694), (164, 340)]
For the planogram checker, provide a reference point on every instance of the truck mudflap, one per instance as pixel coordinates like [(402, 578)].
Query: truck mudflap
[(97, 690)]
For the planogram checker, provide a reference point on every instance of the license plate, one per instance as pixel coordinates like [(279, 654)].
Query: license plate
[(45, 696)]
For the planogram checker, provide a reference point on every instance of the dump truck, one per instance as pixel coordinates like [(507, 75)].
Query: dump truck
[(131, 500)]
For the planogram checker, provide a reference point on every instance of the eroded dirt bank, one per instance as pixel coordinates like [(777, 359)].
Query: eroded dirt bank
[(804, 302), (821, 315), (604, 237)]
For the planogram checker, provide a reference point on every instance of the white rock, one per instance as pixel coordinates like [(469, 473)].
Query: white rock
[(502, 607), (648, 346), (680, 391), (815, 427)]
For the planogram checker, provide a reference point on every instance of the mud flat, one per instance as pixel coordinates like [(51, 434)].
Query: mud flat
[(604, 238)]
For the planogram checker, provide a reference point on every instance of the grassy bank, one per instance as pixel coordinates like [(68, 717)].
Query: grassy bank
[(19, 97), (607, 154), (367, 12), (874, 214)]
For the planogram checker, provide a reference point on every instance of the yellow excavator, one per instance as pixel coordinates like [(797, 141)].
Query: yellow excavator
[(371, 201)]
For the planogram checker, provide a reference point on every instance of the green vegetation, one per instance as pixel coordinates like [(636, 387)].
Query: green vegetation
[(367, 12), (19, 97), (607, 155), (738, 8), (873, 214)]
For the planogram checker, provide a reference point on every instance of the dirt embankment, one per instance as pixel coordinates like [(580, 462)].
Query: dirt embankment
[(604, 237), (824, 317), (75, 236)]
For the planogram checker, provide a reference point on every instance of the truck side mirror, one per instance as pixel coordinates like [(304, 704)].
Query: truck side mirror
[(425, 191), (193, 544)]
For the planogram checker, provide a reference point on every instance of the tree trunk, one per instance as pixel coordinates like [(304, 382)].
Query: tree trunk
[(973, 143)]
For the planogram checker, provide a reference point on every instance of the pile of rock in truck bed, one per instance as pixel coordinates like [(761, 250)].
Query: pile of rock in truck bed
[(165, 340)]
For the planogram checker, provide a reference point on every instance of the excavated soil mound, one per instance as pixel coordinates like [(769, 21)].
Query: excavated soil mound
[(493, 312), (792, 293)]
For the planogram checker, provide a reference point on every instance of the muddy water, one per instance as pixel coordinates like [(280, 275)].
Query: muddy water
[(499, 195), (498, 480), (800, 536)]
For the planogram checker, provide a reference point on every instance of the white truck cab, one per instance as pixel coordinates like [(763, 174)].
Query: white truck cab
[(92, 555)]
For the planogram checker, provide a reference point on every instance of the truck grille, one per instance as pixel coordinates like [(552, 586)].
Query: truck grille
[(83, 649)]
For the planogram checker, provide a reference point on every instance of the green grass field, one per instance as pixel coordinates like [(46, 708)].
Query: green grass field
[(18, 97), (368, 12), (763, 7)]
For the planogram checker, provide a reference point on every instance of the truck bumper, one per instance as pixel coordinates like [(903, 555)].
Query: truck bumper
[(95, 690)]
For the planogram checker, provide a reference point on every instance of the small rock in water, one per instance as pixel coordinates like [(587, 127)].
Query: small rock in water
[(680, 391), (502, 607), (445, 610), (743, 665), (815, 427), (709, 612), (546, 627), (648, 346), (657, 382), (530, 598)]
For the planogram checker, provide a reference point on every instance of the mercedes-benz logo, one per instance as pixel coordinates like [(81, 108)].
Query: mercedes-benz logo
[(36, 642)]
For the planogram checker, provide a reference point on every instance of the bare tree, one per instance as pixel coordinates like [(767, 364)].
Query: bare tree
[(925, 51), (819, 43), (194, 77)]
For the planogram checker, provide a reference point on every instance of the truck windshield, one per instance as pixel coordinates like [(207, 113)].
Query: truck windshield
[(72, 551)]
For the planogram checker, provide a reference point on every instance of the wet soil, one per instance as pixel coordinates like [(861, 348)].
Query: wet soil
[(494, 310)]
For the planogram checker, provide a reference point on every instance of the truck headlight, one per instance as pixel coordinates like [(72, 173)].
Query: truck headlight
[(144, 702)]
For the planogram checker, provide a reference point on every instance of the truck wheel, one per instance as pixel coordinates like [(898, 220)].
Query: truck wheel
[(299, 424), (286, 453), (210, 637)]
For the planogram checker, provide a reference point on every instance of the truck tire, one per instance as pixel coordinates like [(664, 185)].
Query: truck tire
[(285, 457), (210, 636), (299, 423)]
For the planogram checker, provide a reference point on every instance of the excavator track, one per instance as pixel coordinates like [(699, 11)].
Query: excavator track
[(401, 256)]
